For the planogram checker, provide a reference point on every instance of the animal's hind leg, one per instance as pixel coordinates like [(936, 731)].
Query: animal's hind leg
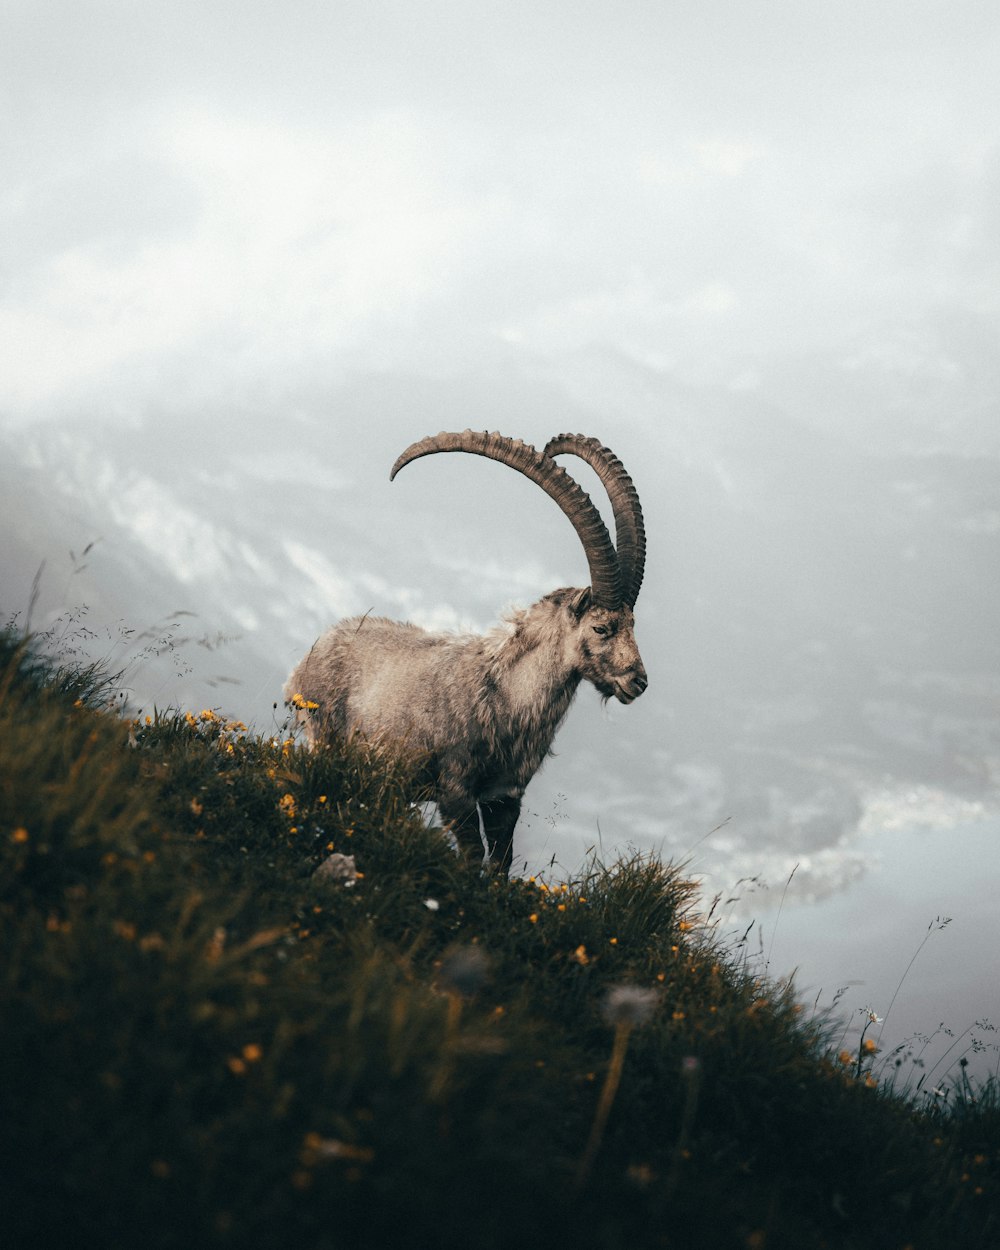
[(499, 818)]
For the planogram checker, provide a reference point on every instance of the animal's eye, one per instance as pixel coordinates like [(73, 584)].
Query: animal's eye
[(603, 630)]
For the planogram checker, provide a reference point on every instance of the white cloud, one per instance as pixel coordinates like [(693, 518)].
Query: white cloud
[(692, 190), (637, 318), (304, 244), (329, 595), (697, 161), (180, 540), (726, 157)]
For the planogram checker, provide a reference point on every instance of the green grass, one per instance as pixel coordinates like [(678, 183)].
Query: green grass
[(202, 1043)]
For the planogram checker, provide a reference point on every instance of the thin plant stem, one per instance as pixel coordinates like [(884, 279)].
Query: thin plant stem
[(774, 932), (444, 1071), (940, 924), (691, 1072), (942, 1057), (611, 1082)]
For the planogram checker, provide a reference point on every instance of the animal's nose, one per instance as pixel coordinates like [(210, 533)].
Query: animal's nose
[(639, 681)]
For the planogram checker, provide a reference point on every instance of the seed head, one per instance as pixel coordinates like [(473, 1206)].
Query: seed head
[(464, 970), (629, 1004)]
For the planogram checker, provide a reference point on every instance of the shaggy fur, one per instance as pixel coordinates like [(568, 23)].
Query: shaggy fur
[(481, 710)]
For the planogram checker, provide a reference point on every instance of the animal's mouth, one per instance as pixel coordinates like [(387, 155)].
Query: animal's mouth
[(628, 690)]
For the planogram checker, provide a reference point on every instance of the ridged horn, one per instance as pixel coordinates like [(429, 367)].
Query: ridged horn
[(605, 575), (630, 534)]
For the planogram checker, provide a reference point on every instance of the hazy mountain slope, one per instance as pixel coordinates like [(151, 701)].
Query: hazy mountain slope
[(817, 621)]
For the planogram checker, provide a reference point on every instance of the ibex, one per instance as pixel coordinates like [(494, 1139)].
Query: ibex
[(482, 709)]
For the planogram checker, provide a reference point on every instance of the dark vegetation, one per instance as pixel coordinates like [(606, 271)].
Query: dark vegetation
[(205, 1043)]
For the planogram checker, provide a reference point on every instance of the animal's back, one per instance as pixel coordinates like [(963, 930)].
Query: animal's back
[(382, 677)]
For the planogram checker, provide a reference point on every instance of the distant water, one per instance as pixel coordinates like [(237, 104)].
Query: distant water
[(863, 938)]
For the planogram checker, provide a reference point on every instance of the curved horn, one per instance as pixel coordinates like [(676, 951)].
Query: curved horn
[(605, 574), (630, 534)]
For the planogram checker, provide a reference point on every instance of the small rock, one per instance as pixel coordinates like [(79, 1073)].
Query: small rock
[(337, 867)]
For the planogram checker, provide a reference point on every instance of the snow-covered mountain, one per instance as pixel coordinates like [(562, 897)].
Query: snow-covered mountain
[(818, 620)]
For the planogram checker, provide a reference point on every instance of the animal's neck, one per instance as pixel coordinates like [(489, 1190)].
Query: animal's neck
[(538, 685), (531, 688)]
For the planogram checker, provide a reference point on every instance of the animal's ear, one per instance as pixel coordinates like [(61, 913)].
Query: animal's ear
[(580, 602)]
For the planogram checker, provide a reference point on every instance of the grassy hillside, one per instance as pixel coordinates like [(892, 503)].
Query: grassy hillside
[(204, 1041)]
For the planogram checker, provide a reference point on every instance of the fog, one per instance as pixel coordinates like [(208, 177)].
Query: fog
[(207, 199), (251, 251)]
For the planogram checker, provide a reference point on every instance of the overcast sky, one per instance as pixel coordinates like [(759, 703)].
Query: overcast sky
[(198, 200)]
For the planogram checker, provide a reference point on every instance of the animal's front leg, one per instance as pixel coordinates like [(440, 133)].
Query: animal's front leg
[(463, 821), (499, 818)]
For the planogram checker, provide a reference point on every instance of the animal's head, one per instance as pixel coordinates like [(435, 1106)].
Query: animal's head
[(606, 653), (604, 646)]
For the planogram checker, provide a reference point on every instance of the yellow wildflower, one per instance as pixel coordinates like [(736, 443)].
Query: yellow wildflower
[(19, 835), (302, 703)]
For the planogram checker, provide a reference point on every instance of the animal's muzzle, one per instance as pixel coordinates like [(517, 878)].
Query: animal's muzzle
[(629, 688)]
